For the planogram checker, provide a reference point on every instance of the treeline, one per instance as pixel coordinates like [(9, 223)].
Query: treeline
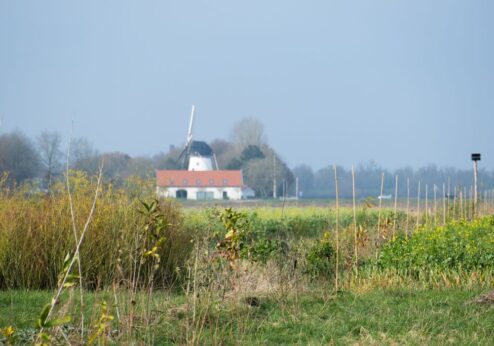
[(43, 160), (320, 184)]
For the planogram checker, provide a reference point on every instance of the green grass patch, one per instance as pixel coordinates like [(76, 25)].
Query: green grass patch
[(393, 316)]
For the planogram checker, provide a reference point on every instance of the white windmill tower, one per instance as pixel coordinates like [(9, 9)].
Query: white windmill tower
[(197, 155)]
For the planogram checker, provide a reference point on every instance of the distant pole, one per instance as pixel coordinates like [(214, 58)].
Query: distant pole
[(460, 201), (418, 206), (472, 202), (297, 192), (355, 240), (484, 203), (435, 205), (444, 204), (454, 203), (380, 206), (475, 159), (274, 177), (449, 194), (396, 201), (408, 207), (426, 205), (337, 231)]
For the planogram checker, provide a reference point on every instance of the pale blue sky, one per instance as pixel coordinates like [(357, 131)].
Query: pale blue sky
[(400, 82)]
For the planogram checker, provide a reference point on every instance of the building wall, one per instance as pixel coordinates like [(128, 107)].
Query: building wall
[(233, 193)]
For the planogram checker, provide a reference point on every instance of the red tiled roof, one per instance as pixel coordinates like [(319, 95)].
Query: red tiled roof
[(177, 178)]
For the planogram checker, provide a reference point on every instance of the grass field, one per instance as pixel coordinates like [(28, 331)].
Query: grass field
[(391, 316), (153, 272)]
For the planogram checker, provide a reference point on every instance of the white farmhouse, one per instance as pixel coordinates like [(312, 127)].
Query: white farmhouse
[(199, 185)]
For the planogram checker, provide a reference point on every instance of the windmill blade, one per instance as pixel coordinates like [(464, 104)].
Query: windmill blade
[(191, 124), (183, 152)]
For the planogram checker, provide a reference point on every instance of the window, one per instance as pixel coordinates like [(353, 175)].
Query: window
[(185, 182), (225, 181), (198, 182), (211, 181)]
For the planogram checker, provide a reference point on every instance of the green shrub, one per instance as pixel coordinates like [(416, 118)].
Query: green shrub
[(320, 258), (458, 245)]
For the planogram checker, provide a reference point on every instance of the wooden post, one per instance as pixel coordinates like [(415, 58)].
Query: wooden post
[(418, 206), (449, 194), (435, 205), (337, 231), (461, 203), (454, 204), (426, 206), (396, 200), (274, 177), (484, 203), (380, 206), (475, 189), (355, 240), (408, 207), (297, 188), (444, 205)]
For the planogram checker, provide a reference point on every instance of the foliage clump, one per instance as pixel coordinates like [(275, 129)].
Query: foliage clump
[(459, 245)]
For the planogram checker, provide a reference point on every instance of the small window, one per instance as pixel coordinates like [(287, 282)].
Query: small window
[(225, 181), (211, 181), (185, 182), (172, 182), (198, 182)]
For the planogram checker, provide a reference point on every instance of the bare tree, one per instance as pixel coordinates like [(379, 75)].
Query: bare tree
[(50, 154), (84, 156), (18, 157), (248, 131)]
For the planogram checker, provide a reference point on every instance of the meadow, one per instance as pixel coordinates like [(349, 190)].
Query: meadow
[(105, 265)]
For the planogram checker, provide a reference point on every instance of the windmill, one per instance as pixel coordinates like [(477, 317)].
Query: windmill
[(196, 155)]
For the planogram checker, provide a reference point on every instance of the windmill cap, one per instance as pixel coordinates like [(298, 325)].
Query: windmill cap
[(200, 148)]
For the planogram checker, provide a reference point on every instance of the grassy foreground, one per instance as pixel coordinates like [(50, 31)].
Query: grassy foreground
[(391, 316)]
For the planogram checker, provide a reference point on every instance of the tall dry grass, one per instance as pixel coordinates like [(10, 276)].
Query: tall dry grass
[(36, 235)]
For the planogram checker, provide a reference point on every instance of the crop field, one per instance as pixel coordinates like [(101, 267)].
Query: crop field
[(101, 265)]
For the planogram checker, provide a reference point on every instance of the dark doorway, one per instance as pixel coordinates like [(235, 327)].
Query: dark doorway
[(181, 194)]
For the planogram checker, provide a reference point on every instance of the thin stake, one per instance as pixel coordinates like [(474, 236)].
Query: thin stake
[(454, 204), (74, 230), (396, 200), (461, 203), (435, 205), (408, 207), (354, 218), (426, 205), (76, 252), (444, 204), (484, 204), (418, 206), (337, 229), (472, 204), (380, 206), (449, 194)]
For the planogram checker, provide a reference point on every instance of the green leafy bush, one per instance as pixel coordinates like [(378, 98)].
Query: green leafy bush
[(458, 245), (320, 258)]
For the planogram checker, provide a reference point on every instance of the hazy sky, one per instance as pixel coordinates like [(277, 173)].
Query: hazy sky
[(400, 82)]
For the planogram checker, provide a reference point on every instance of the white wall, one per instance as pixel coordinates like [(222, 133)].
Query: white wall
[(233, 193), (198, 163)]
